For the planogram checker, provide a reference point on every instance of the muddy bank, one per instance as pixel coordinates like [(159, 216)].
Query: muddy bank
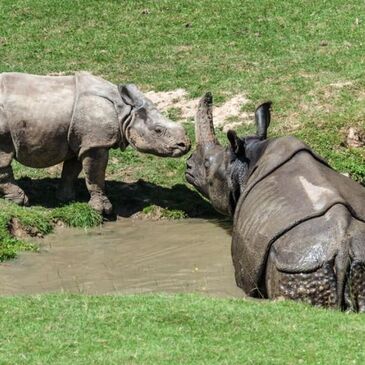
[(127, 257)]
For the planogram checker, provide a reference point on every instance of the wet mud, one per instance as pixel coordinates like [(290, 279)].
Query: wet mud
[(128, 257)]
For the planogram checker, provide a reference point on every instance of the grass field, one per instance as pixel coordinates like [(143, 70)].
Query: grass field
[(182, 329), (308, 57)]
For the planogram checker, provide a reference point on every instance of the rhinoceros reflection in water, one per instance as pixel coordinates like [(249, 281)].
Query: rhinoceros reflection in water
[(299, 226), (45, 120)]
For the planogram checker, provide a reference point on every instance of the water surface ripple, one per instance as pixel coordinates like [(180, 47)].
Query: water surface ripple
[(127, 257)]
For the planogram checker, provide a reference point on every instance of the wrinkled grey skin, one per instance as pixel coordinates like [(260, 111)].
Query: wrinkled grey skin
[(45, 120), (298, 226)]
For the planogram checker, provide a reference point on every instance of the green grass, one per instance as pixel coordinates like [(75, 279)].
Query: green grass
[(297, 54), (181, 329)]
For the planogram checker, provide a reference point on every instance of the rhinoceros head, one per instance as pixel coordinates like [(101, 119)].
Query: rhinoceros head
[(147, 130), (220, 173)]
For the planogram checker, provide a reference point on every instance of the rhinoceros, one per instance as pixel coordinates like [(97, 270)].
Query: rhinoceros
[(45, 120), (298, 225)]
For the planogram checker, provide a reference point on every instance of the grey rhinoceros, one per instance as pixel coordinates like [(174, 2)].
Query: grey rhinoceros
[(45, 120), (298, 226)]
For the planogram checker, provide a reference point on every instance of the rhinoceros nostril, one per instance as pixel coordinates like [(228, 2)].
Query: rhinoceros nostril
[(181, 145)]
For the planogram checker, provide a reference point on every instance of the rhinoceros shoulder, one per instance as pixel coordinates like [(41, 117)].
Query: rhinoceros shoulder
[(94, 120)]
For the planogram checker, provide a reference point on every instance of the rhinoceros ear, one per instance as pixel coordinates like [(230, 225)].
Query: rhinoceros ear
[(130, 94), (237, 144), (262, 118)]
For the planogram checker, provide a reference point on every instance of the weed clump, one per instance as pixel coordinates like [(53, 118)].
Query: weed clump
[(77, 215)]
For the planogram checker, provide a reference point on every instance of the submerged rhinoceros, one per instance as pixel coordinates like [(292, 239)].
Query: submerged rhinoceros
[(299, 226), (45, 120)]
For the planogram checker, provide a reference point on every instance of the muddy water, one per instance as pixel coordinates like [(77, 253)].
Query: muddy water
[(127, 257)]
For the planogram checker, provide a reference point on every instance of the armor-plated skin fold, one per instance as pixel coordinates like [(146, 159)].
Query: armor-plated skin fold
[(45, 120), (298, 226)]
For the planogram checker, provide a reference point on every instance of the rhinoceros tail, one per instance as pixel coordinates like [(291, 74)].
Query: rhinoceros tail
[(355, 286)]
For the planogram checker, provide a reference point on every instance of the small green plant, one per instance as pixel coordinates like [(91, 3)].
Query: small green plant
[(168, 213), (77, 215), (150, 209), (174, 113), (173, 214)]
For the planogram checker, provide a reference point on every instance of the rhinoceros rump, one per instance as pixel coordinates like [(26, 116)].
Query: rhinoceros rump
[(45, 120), (298, 226)]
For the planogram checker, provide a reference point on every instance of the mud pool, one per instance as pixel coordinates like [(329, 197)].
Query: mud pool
[(127, 257)]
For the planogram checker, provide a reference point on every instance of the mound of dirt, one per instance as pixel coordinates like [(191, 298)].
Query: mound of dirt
[(355, 137), (226, 116)]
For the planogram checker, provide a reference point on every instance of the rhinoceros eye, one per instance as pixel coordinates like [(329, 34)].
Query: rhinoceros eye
[(159, 130)]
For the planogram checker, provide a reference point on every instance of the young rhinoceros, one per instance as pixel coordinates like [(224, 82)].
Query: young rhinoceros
[(299, 226), (45, 120)]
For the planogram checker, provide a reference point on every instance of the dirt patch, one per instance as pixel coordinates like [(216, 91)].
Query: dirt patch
[(341, 84), (55, 170), (226, 116), (355, 137), (17, 230)]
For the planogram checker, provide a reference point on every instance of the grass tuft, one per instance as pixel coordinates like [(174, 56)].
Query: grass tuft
[(19, 224), (77, 215)]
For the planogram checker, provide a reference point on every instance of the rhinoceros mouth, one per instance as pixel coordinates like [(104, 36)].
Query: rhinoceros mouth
[(180, 149), (177, 152), (189, 178)]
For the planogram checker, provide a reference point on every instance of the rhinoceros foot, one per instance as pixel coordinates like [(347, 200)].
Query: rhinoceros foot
[(14, 193), (101, 204)]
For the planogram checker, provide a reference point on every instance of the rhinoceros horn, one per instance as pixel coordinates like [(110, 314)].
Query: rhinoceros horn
[(204, 128)]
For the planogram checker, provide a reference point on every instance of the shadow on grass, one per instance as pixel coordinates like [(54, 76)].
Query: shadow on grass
[(127, 198)]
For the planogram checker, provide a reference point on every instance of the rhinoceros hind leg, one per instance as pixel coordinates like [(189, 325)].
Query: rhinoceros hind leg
[(356, 286), (317, 288), (8, 188), (94, 164), (70, 171)]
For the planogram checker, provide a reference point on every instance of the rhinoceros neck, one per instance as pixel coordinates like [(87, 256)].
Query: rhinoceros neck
[(241, 169), (124, 126), (125, 119), (238, 177)]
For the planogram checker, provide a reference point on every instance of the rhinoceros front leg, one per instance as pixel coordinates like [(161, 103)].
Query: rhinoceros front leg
[(70, 171), (8, 188), (94, 164)]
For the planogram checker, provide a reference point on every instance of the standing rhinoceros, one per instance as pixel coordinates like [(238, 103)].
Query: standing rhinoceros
[(45, 120), (299, 226)]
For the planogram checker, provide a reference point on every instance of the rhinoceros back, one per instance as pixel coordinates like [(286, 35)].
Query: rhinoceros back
[(37, 112), (289, 187)]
